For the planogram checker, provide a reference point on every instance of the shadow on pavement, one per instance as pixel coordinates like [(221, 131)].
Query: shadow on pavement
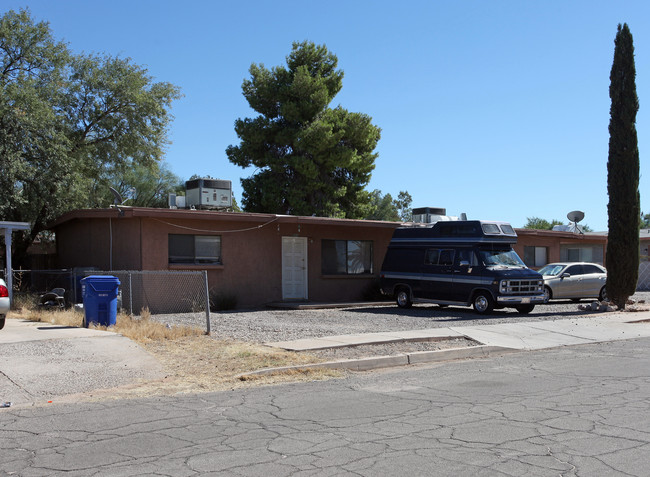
[(46, 328), (454, 314)]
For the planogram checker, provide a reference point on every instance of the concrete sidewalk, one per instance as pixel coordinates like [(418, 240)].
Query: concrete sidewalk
[(589, 328), (495, 339)]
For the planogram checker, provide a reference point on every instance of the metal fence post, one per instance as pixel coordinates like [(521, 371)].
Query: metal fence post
[(207, 303), (130, 295)]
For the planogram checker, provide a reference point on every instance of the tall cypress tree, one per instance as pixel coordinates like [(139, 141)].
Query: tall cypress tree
[(623, 174)]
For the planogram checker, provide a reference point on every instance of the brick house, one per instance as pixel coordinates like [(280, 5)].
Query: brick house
[(258, 258)]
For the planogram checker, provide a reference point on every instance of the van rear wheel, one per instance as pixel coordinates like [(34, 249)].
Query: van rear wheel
[(403, 298), (483, 303), (2, 322)]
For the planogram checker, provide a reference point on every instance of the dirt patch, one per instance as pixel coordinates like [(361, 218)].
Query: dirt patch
[(202, 364), (198, 364), (391, 349)]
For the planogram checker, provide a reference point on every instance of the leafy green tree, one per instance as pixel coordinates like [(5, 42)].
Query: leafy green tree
[(624, 207), (644, 221), (541, 224), (383, 207), (311, 159), (403, 204), (69, 121), (145, 185)]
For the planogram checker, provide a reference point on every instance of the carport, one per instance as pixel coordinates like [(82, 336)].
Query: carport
[(7, 228)]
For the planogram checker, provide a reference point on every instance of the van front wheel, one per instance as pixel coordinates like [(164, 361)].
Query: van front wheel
[(403, 298), (483, 303)]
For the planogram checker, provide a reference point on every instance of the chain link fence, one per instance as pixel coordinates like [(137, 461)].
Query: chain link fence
[(160, 292), (643, 283)]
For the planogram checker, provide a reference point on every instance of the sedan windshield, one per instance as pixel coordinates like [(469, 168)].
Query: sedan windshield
[(552, 270), (503, 258)]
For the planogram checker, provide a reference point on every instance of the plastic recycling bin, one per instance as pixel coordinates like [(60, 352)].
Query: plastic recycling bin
[(100, 299)]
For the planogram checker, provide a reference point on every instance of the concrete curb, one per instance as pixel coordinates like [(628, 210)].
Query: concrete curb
[(377, 362)]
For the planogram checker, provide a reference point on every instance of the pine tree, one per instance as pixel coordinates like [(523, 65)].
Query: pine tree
[(310, 158), (623, 174)]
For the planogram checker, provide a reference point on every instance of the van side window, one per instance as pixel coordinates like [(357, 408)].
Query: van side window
[(446, 257), (467, 256), (431, 258)]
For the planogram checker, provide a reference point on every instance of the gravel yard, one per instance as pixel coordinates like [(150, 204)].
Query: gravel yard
[(261, 326)]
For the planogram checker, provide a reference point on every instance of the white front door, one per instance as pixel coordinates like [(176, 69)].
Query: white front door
[(294, 268)]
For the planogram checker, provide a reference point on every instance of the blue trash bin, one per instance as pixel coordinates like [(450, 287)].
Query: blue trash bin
[(100, 299)]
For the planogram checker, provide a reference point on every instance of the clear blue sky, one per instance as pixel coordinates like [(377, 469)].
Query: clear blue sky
[(494, 108)]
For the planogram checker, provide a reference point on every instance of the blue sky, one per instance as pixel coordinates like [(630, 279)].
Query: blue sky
[(498, 109)]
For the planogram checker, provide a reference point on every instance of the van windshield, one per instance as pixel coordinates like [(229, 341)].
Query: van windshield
[(501, 257)]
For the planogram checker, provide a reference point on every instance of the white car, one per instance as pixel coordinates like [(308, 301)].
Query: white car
[(4, 302), (574, 280)]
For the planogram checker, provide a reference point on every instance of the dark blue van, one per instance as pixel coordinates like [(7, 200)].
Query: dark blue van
[(461, 262)]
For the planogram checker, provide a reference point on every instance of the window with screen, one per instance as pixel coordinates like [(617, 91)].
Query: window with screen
[(346, 257), (195, 249)]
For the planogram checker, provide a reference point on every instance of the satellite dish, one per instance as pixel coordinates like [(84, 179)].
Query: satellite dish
[(575, 216), (117, 196)]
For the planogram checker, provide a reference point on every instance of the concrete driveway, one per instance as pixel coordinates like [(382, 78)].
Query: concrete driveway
[(40, 362)]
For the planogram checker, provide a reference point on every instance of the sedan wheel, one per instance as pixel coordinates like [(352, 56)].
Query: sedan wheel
[(603, 294)]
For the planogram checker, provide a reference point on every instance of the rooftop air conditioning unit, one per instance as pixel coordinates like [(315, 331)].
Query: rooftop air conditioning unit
[(176, 201), (208, 194), (430, 215)]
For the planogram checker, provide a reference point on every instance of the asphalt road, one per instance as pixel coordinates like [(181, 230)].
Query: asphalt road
[(580, 410)]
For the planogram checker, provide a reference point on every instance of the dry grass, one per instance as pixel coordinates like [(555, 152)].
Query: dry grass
[(204, 364), (61, 318), (141, 329), (192, 361)]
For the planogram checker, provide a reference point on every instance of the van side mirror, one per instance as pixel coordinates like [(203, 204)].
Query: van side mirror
[(464, 263), (565, 275)]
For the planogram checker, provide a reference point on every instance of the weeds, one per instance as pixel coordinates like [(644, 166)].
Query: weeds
[(141, 330), (145, 314), (24, 300)]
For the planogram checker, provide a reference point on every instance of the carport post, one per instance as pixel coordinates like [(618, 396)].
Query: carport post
[(9, 274), (9, 227)]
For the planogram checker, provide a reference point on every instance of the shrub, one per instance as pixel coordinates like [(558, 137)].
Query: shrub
[(223, 301)]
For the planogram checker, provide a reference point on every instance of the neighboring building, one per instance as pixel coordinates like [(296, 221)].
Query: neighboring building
[(644, 244), (258, 258), (539, 247)]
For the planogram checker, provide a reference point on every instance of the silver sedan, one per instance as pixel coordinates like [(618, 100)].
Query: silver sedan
[(574, 280)]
